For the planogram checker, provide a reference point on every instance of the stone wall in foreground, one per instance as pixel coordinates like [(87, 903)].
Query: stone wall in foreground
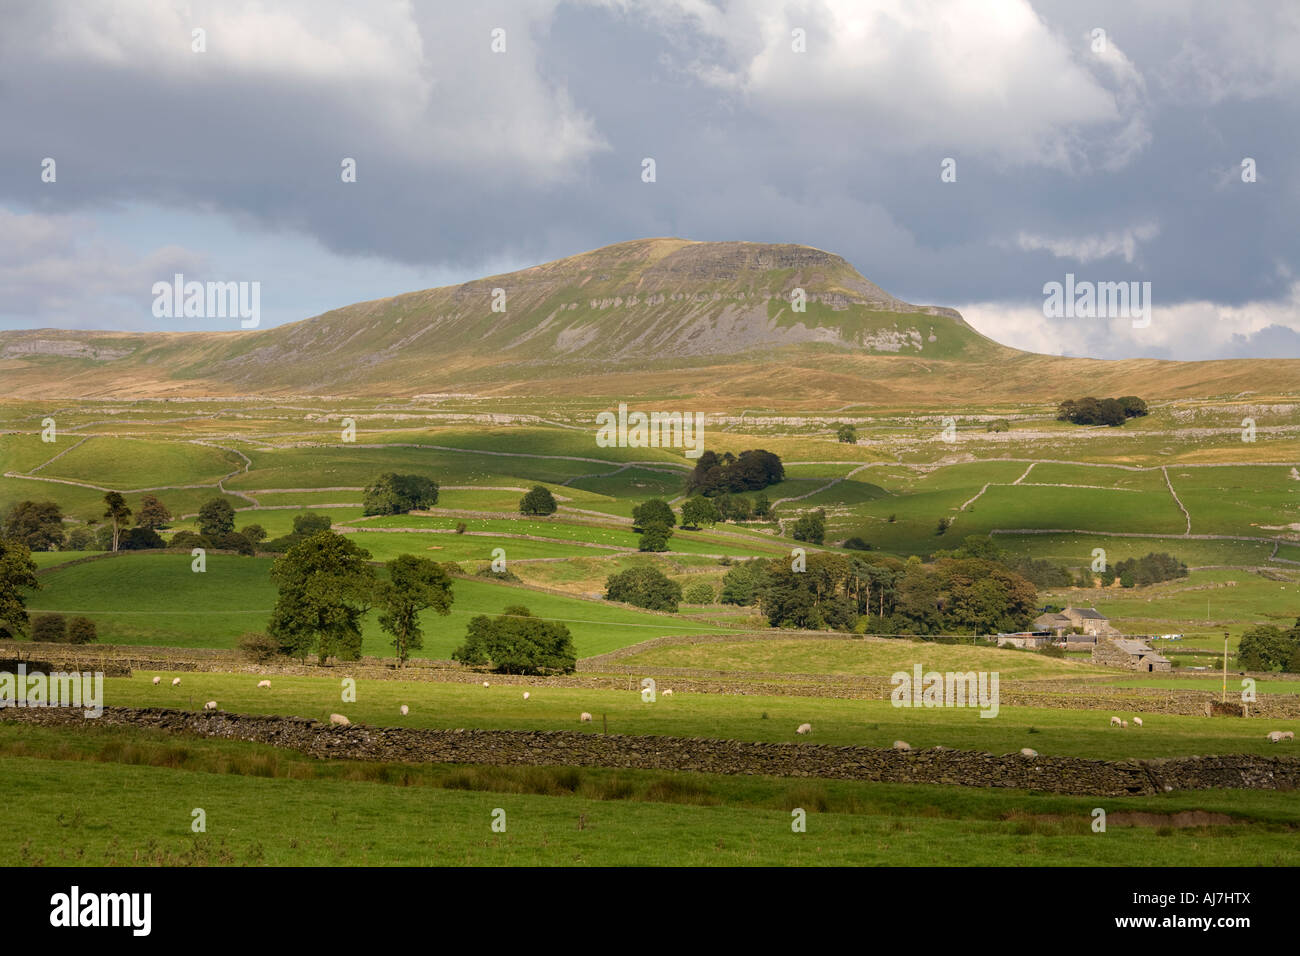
[(1070, 775)]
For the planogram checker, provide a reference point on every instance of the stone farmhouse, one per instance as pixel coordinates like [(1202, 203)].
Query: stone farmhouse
[(1133, 654), (1091, 622)]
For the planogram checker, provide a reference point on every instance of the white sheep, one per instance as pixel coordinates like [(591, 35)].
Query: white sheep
[(157, 681), (527, 695), (176, 682), (405, 710), (210, 705), (340, 720), (803, 729), (1114, 721), (902, 745), (264, 683), (1028, 752), (1288, 735), (668, 692), (584, 717), (1274, 736), (1137, 721), (485, 683)]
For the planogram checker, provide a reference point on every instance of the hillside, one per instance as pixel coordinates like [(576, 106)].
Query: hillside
[(667, 317)]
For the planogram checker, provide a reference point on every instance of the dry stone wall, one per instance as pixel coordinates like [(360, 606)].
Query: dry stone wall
[(1069, 775)]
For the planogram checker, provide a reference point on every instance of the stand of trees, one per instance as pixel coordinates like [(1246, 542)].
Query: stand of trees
[(394, 494), (1101, 411), (716, 474), (518, 643), (1268, 648)]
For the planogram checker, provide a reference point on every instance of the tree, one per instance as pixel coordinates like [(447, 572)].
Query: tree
[(701, 592), (699, 511), (116, 509), (325, 587), (942, 526), (39, 525), (79, 539), (255, 533), (394, 494), (654, 512), (311, 522), (740, 584), (654, 538), (1133, 406), (762, 507), (644, 586), (50, 629), (847, 434), (216, 517), (141, 539), (517, 643), (752, 470), (153, 513), (414, 585), (1266, 647), (82, 630), (538, 501), (811, 527)]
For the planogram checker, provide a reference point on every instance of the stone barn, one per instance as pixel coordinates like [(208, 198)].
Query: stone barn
[(1130, 653)]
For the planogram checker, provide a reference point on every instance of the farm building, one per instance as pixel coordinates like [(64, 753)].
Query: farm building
[(1131, 653), (1088, 620), (1024, 639)]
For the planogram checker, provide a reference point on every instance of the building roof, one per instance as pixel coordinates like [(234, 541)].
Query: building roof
[(1087, 613), (1139, 648)]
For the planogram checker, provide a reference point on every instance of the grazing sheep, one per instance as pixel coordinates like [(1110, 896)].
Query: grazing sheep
[(1027, 752), (1274, 736), (264, 683), (339, 720), (668, 692), (527, 695), (1137, 721), (157, 681), (405, 710), (1114, 721), (210, 705), (902, 745), (485, 683), (803, 729), (584, 717), (1288, 735), (176, 682)]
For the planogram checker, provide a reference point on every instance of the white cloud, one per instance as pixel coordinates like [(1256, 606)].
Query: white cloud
[(1187, 330), (1086, 249)]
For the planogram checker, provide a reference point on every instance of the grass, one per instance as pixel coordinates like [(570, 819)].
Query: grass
[(156, 599), (873, 723), (63, 806)]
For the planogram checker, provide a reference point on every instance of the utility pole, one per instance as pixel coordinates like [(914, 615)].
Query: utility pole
[(1225, 667)]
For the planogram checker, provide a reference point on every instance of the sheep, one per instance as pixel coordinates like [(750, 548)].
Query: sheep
[(1114, 721), (1137, 721), (1028, 752), (264, 683), (1288, 735), (668, 692), (210, 705), (485, 683), (405, 710), (527, 695), (584, 717), (340, 720), (1275, 736), (176, 682), (157, 681), (803, 729), (902, 745)]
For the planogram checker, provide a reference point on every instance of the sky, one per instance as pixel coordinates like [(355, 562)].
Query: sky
[(1104, 141)]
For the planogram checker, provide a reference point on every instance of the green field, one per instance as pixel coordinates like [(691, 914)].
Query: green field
[(156, 599)]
